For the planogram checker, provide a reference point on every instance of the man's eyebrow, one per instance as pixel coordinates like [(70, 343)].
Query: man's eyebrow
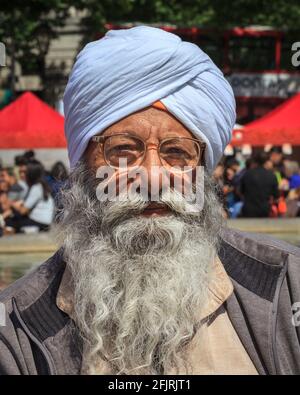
[(167, 134), (126, 131)]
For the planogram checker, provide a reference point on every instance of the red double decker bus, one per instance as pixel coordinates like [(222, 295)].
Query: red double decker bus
[(256, 60)]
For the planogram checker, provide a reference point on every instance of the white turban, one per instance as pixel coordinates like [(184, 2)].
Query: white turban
[(128, 70)]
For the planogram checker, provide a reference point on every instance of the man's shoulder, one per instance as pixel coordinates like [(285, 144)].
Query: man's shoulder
[(257, 261), (34, 284), (258, 245), (30, 316)]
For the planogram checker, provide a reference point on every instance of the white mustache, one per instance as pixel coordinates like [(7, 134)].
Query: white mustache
[(135, 204)]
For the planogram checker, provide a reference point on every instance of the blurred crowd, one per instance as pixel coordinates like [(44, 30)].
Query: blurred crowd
[(28, 194), (263, 185)]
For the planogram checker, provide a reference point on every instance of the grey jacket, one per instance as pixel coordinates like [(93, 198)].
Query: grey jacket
[(39, 338)]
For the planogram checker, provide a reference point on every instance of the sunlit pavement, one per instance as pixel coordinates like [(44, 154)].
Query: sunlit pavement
[(287, 229)]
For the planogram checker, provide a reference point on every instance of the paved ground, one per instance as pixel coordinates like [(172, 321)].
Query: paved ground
[(33, 243), (286, 229)]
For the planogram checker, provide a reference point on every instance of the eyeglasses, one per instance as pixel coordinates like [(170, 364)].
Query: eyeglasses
[(176, 152)]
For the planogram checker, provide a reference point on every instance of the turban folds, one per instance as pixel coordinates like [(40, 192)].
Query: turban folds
[(128, 70)]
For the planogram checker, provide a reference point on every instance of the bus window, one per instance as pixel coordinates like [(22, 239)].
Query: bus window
[(251, 53)]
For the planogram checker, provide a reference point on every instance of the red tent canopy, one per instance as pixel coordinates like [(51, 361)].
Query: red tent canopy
[(279, 126), (29, 123)]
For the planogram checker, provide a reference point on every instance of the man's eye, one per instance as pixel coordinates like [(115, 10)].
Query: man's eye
[(174, 151), (122, 148)]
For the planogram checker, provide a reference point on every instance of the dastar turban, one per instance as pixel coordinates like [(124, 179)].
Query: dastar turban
[(128, 70)]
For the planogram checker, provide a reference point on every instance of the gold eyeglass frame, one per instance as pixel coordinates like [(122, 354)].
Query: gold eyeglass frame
[(102, 139)]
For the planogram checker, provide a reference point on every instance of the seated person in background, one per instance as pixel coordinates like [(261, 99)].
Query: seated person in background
[(4, 201), (233, 202), (5, 210), (57, 177), (38, 207), (21, 169), (16, 191)]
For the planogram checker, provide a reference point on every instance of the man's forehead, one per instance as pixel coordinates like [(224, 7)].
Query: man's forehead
[(150, 121)]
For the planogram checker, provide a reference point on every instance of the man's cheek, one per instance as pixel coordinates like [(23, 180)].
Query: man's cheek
[(93, 156)]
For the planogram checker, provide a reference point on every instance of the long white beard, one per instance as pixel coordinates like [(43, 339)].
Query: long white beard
[(140, 283)]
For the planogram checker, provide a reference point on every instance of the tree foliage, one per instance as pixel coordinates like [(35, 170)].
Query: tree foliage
[(25, 26), (219, 14), (216, 13)]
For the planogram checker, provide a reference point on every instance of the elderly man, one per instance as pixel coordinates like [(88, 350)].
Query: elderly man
[(143, 284)]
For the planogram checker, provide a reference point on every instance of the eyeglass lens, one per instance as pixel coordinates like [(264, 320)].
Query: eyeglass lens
[(174, 152)]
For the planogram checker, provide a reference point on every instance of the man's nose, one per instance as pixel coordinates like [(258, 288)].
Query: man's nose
[(152, 165)]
